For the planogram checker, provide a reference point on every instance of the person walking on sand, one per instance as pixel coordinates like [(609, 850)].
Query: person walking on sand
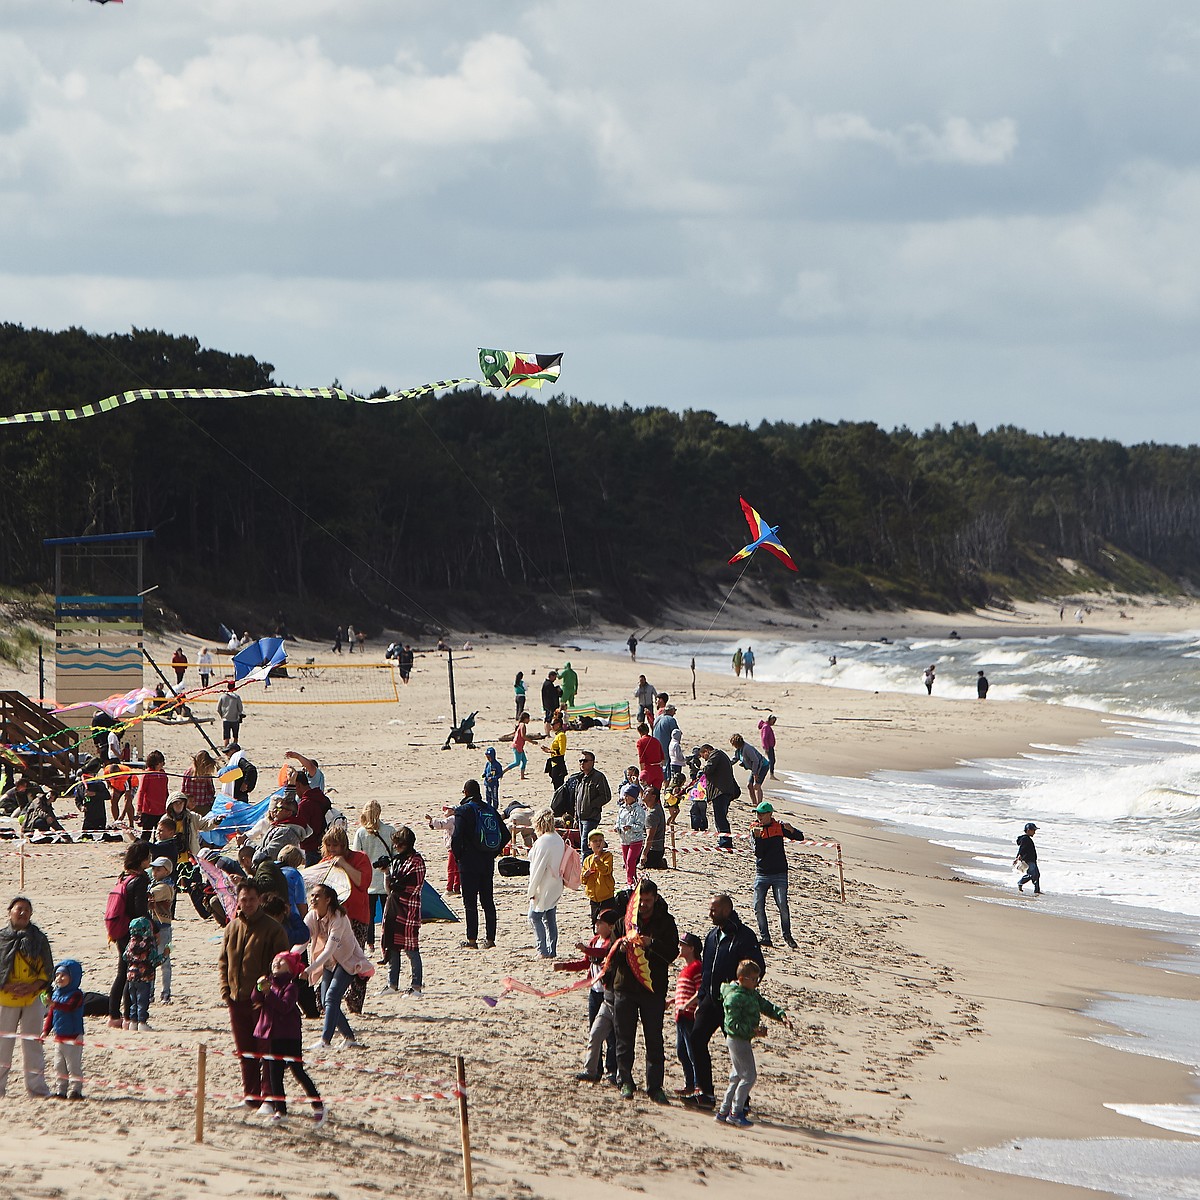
[(771, 870), (982, 685), (645, 695), (1027, 858), (929, 676), (568, 677), (205, 665), (766, 735), (748, 662), (632, 644), (737, 662)]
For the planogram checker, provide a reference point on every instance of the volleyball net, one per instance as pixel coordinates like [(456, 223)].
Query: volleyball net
[(321, 683)]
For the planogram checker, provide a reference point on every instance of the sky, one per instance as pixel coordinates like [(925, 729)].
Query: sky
[(911, 214)]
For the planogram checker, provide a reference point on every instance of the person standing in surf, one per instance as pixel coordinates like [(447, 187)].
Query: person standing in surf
[(1027, 857)]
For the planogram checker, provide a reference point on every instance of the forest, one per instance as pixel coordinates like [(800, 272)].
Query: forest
[(501, 510)]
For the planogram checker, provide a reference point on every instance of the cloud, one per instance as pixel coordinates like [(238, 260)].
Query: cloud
[(957, 140)]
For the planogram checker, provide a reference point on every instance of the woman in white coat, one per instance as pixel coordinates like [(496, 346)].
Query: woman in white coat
[(545, 883)]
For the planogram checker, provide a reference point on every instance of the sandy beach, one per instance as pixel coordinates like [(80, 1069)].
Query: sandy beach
[(928, 1021)]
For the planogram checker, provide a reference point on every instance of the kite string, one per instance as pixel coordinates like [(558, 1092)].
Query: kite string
[(562, 524), (726, 600)]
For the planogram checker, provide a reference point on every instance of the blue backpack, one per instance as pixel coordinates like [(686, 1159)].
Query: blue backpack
[(493, 836)]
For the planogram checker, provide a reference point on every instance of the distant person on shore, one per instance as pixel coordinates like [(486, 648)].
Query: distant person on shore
[(982, 685), (404, 661), (737, 662), (748, 662), (633, 645), (766, 735), (520, 759), (205, 664), (569, 679), (179, 661), (551, 699), (645, 694), (361, 636), (519, 693), (930, 672), (232, 712), (339, 636), (1027, 858), (1079, 616), (556, 755), (350, 635)]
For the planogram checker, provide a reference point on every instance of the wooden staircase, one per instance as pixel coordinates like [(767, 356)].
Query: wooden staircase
[(53, 756)]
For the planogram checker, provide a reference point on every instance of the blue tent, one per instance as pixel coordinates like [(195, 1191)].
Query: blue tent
[(266, 652)]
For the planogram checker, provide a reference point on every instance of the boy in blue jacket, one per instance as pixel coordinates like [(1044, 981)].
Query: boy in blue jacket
[(64, 1018)]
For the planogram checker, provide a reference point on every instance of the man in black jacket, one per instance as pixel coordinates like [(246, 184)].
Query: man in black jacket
[(721, 790), (633, 1002), (728, 943)]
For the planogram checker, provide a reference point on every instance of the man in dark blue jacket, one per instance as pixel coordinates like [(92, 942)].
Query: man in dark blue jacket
[(728, 943)]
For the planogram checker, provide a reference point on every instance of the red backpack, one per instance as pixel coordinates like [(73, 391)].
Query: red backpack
[(116, 912)]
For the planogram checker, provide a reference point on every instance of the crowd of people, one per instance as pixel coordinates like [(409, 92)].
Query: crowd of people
[(311, 903)]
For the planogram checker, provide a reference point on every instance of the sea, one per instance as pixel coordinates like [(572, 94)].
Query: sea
[(1118, 831)]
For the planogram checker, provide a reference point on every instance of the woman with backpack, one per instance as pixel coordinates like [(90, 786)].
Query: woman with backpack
[(129, 898), (545, 883)]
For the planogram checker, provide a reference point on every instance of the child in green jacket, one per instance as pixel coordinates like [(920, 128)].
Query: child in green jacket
[(743, 1005)]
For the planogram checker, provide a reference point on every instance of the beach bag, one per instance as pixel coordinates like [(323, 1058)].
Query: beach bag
[(493, 836), (510, 865), (116, 911), (571, 868)]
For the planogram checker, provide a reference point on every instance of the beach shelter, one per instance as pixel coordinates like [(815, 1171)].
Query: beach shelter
[(259, 658), (433, 907)]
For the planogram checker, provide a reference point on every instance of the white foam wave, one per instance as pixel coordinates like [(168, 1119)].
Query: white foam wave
[(1179, 1118)]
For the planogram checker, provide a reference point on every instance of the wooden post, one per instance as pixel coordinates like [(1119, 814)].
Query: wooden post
[(468, 1180), (693, 679), (201, 1077), (22, 845), (841, 872), (674, 855)]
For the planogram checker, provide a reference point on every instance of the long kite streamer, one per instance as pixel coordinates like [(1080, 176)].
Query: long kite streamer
[(500, 369)]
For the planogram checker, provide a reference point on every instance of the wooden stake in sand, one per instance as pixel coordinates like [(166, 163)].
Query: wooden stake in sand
[(201, 1077), (674, 855), (841, 873), (461, 1068), (22, 845)]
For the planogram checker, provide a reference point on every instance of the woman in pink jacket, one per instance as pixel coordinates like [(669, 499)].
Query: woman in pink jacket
[(335, 960), (766, 734)]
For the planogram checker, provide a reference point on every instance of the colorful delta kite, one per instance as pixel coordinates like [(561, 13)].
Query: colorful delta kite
[(764, 538), (508, 369), (500, 369)]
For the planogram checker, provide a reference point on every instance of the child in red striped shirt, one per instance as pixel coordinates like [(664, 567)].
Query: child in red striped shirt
[(687, 988)]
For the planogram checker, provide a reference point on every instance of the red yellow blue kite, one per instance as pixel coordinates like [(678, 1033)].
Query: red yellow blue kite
[(764, 536)]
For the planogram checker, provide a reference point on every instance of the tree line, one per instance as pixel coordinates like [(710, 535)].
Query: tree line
[(516, 511)]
